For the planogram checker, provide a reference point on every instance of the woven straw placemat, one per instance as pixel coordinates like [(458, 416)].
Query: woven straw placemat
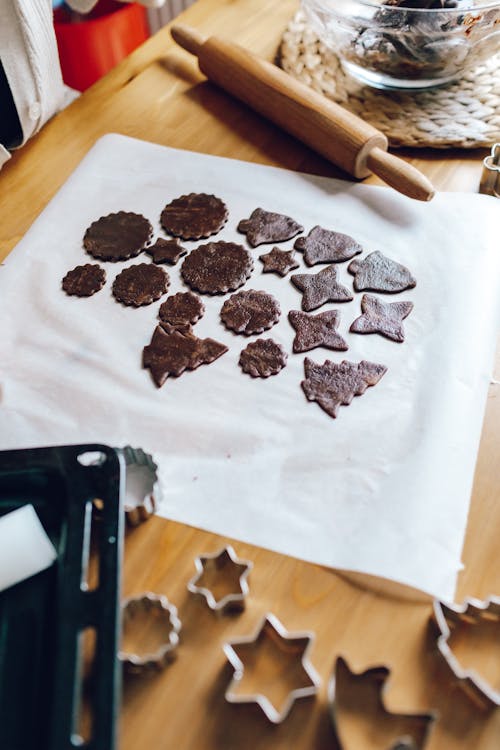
[(465, 114)]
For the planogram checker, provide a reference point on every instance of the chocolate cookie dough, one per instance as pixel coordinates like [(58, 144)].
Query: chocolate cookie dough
[(194, 216), (332, 384), (378, 273), (264, 226), (166, 251), (316, 330), (217, 268), (321, 287), (172, 351), (278, 261), (250, 312), (84, 281), (385, 318), (140, 285), (117, 236), (181, 309), (325, 246), (402, 41), (263, 358)]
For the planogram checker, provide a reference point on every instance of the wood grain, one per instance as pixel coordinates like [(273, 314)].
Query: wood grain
[(158, 94)]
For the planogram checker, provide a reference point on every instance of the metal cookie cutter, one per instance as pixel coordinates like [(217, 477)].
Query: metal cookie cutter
[(445, 619), (226, 562), (296, 644), (147, 606), (141, 485), (358, 692), (490, 177)]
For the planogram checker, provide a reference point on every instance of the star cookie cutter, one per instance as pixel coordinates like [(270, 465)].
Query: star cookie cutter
[(141, 485), (271, 627), (370, 687), (445, 618), (223, 560), (152, 605)]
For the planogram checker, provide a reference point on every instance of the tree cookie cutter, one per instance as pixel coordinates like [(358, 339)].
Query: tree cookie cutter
[(152, 605), (141, 485), (411, 730), (490, 177), (298, 644), (445, 619), (224, 560)]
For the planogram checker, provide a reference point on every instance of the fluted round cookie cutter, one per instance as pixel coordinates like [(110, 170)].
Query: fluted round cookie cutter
[(166, 652), (141, 485)]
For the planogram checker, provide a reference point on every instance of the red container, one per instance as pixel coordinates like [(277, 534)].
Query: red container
[(90, 45)]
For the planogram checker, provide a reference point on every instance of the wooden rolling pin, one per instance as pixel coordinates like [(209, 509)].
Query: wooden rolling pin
[(332, 131)]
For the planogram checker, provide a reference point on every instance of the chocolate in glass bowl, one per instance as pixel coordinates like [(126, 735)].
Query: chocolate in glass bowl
[(407, 44)]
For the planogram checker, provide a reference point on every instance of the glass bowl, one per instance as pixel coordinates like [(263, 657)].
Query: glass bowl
[(398, 45)]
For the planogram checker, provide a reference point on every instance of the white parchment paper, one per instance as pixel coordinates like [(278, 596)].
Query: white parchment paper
[(383, 489)]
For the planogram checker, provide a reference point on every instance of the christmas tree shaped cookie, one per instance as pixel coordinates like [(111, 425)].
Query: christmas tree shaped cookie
[(332, 384)]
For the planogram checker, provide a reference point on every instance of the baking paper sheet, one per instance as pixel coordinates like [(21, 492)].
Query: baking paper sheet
[(383, 489)]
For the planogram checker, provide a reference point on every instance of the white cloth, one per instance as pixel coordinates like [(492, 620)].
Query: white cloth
[(84, 6), (4, 155), (28, 51)]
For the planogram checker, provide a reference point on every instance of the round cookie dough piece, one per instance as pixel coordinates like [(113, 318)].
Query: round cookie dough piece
[(140, 284), (217, 267), (117, 236), (84, 281), (181, 309), (250, 312), (263, 358), (194, 216)]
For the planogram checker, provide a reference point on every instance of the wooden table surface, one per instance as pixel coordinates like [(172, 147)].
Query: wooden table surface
[(158, 95)]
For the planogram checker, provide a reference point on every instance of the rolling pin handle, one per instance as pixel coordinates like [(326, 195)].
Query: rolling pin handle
[(399, 174), (188, 38)]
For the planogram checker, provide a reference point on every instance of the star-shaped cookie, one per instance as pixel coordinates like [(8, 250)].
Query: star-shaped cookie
[(321, 287), (385, 318), (316, 330), (166, 251), (278, 261), (326, 246)]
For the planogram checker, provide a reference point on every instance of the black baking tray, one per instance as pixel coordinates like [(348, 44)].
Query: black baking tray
[(42, 619)]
